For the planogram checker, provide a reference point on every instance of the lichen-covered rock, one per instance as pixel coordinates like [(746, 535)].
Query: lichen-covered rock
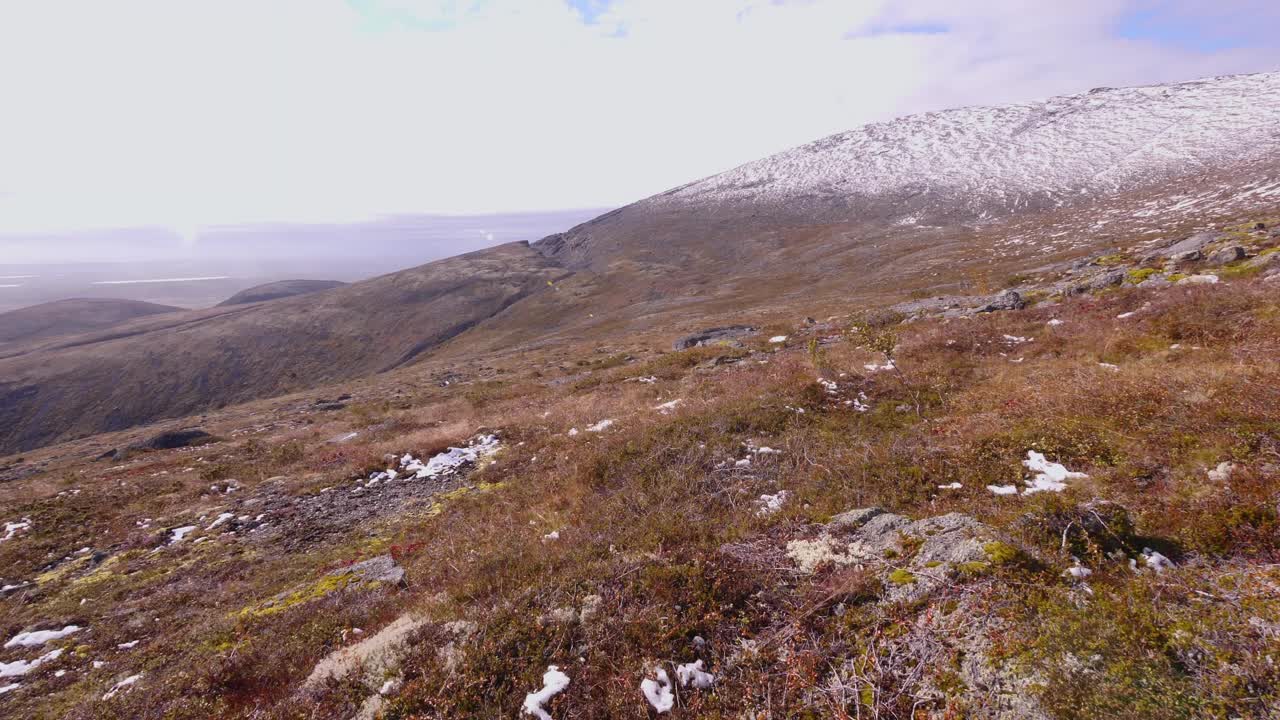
[(1228, 254), (382, 568), (914, 557), (714, 336)]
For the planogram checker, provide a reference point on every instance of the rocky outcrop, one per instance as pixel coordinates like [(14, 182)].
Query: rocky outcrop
[(727, 335), (913, 557)]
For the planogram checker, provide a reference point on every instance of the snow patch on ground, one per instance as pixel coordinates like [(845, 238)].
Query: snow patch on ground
[(770, 504), (1050, 476), (601, 426), (658, 692), (553, 683), (668, 406), (13, 528), (18, 668), (692, 674), (40, 637), (122, 685), (178, 534)]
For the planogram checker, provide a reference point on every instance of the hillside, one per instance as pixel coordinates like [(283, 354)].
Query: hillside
[(184, 363), (942, 203), (72, 317), (1056, 508), (279, 289), (1096, 165)]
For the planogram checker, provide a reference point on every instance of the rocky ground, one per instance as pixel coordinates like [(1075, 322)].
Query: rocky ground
[(1056, 498)]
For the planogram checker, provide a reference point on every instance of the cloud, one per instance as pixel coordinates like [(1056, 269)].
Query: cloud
[(184, 112)]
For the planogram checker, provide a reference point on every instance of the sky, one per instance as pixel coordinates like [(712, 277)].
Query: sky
[(187, 114)]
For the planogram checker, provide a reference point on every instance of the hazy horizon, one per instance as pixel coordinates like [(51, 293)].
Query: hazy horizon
[(161, 266)]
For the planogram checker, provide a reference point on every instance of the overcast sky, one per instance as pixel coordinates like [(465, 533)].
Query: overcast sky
[(189, 113)]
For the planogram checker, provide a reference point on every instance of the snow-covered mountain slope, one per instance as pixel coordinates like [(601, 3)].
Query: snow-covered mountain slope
[(1046, 153), (1055, 175)]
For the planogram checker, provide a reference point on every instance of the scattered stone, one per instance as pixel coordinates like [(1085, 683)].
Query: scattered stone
[(1199, 280), (1101, 281), (375, 655), (382, 568), (175, 439), (913, 557), (714, 336), (1192, 245), (1227, 255), (1007, 300), (1263, 261)]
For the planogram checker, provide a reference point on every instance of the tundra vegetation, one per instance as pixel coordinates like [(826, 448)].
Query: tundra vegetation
[(1145, 588)]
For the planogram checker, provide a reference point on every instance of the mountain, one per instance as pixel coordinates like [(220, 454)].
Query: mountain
[(1106, 154), (937, 203), (70, 317), (182, 363), (759, 447), (279, 289)]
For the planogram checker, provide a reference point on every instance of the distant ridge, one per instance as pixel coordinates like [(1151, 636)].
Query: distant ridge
[(279, 289), (73, 316)]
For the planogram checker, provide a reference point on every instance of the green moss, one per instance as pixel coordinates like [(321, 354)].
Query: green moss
[(1000, 553), (1139, 275), (320, 588), (1111, 260), (901, 577), (972, 569)]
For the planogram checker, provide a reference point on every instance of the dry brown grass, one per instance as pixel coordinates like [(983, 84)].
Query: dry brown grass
[(653, 521)]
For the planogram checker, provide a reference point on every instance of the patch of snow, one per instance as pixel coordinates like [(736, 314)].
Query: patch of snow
[(648, 380), (1156, 561), (743, 463), (1016, 340), (880, 368), (770, 504), (1003, 489), (128, 645), (40, 637), (601, 426), (553, 683), (9, 688), (1054, 322), (1126, 316), (1050, 476), (1223, 472), (12, 528), (122, 685), (551, 536), (573, 432), (1077, 571), (448, 462), (658, 692), (668, 406), (221, 519), (178, 534), (1109, 366), (19, 586), (692, 674), (18, 668), (951, 486), (778, 339)]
